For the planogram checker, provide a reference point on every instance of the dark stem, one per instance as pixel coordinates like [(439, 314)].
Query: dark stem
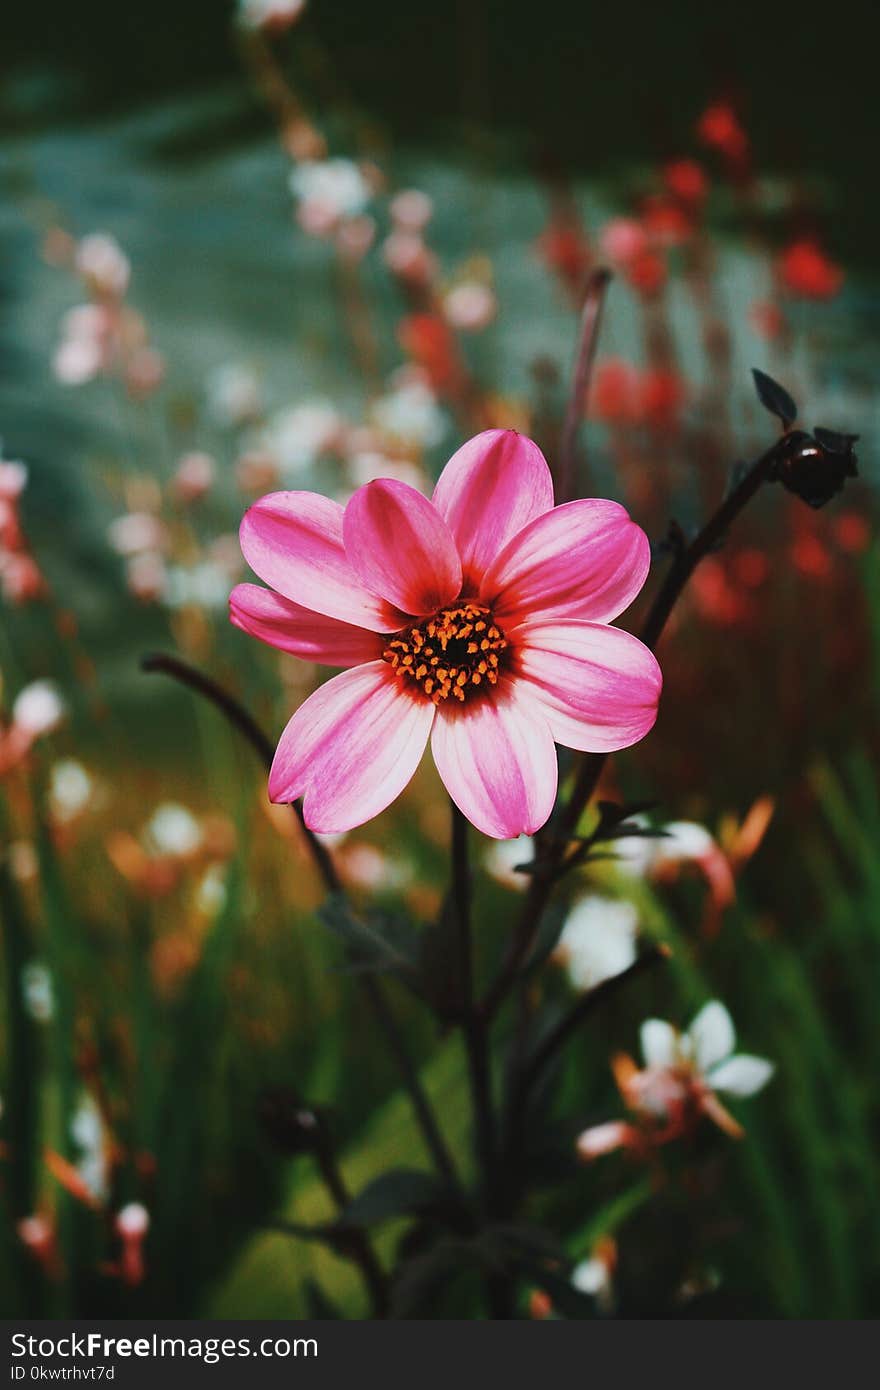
[(357, 1243), (558, 1036), (591, 318), (531, 1069), (421, 1105), (542, 882), (241, 720), (476, 1043), (473, 1029)]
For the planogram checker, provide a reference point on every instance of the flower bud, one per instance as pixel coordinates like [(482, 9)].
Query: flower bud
[(815, 467)]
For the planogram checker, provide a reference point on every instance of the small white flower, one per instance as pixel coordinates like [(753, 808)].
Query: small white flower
[(37, 992), (133, 1221), (707, 1046), (234, 394), (329, 190), (70, 788), (367, 867), (258, 14), (174, 830), (136, 532), (503, 857), (145, 576), (211, 893), (299, 436), (366, 466), (681, 841), (411, 413), (87, 1132), (205, 585), (13, 479), (594, 1276), (598, 940), (470, 306), (38, 709), (411, 209), (101, 261)]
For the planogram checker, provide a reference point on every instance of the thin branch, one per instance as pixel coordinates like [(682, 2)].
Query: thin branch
[(244, 722), (585, 1007), (532, 1068), (591, 319)]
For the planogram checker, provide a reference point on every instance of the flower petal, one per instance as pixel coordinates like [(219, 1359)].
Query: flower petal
[(293, 541), (292, 628), (712, 1035), (400, 546), (658, 1039), (605, 1138), (598, 686), (489, 490), (497, 761), (741, 1075), (585, 559), (351, 748)]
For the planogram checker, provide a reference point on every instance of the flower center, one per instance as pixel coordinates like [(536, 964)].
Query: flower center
[(457, 653)]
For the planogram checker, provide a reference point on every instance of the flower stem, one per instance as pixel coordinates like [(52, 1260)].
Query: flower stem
[(474, 1032), (588, 1003), (358, 1245), (531, 1068), (552, 869), (241, 720), (591, 319)]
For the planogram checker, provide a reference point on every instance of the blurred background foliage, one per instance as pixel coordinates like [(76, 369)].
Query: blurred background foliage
[(161, 980)]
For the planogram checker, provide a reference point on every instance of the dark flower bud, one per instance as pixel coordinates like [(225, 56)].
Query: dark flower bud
[(816, 466), (291, 1125)]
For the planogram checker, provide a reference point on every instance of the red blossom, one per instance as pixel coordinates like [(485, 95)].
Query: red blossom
[(647, 273), (719, 128), (615, 392), (662, 394), (805, 271), (686, 180)]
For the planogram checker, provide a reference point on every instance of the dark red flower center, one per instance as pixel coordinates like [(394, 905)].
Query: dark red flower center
[(457, 653)]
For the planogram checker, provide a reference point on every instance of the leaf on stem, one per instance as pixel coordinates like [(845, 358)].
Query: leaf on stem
[(400, 1192), (374, 941), (774, 398)]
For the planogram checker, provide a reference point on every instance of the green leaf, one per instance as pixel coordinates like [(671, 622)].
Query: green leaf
[(774, 398), (375, 941), (401, 1192)]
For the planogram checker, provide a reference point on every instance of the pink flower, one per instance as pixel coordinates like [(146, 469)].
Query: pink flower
[(622, 240), (478, 620)]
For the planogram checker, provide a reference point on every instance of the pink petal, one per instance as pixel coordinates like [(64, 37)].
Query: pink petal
[(597, 686), (293, 541), (585, 559), (400, 546), (291, 628), (351, 748), (489, 490), (497, 761)]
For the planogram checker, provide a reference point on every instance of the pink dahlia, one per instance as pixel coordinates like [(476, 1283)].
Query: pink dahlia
[(478, 619)]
